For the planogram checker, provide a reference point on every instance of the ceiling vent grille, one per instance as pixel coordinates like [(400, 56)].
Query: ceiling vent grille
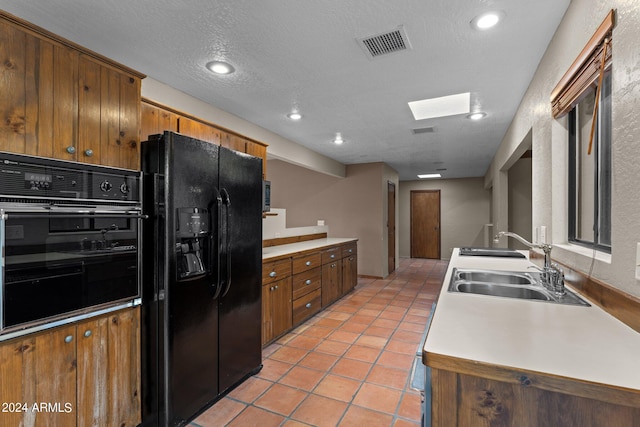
[(429, 129), (385, 43)]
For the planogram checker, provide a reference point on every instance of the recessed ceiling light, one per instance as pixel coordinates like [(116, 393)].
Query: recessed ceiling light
[(476, 116), (487, 20), (440, 107), (338, 139), (294, 116), (220, 67), (430, 175)]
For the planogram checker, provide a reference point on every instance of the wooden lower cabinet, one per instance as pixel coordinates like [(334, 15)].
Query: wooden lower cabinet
[(317, 279), (84, 374), (276, 309), (349, 268), (331, 282), (467, 400)]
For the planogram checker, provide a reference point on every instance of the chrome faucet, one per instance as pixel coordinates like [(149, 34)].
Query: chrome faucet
[(552, 274)]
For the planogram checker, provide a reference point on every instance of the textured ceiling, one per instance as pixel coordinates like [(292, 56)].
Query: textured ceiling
[(304, 54)]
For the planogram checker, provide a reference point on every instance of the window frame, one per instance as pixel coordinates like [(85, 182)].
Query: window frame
[(602, 178)]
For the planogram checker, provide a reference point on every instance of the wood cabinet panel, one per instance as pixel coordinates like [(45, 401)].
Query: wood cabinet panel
[(276, 309), (233, 142), (349, 273), (65, 103), (477, 401), (198, 130), (89, 372), (306, 306), (331, 282), (306, 262), (276, 270), (60, 101), (332, 254), (155, 120), (307, 281)]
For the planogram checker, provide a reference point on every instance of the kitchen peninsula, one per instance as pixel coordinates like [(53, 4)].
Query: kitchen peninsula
[(300, 279), (528, 363)]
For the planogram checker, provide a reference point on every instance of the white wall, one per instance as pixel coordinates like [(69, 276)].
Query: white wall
[(549, 197), (279, 147), (465, 209)]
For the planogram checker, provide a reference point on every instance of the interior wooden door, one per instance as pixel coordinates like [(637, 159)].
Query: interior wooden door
[(391, 226), (425, 224)]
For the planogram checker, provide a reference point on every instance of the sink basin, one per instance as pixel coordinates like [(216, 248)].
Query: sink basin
[(519, 284), (521, 292), (495, 277)]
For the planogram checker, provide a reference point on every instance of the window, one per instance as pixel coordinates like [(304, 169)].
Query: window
[(590, 174), (584, 93)]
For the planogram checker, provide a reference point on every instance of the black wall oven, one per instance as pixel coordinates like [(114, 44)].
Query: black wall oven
[(69, 239)]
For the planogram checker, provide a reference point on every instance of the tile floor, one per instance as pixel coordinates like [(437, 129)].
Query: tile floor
[(349, 365)]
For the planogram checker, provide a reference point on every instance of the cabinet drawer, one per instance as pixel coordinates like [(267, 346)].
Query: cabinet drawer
[(349, 249), (331, 254), (276, 270), (306, 306), (306, 262), (306, 282)]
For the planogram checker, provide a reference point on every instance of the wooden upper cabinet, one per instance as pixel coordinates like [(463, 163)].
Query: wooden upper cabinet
[(198, 130), (60, 100), (155, 120)]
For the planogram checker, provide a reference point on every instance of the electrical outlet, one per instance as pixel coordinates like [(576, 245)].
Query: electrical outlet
[(543, 234)]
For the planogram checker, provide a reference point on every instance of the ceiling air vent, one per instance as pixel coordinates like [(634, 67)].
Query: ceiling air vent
[(385, 43), (429, 129)]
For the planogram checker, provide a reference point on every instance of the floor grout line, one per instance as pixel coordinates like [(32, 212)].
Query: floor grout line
[(412, 296)]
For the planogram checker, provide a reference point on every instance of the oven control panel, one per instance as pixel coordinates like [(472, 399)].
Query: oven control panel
[(29, 176)]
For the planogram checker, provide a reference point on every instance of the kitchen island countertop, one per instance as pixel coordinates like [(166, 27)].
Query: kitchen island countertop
[(274, 252), (579, 343)]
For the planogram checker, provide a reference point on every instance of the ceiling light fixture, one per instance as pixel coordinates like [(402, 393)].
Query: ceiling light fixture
[(487, 20), (338, 139), (429, 175), (294, 116), (220, 67), (477, 116)]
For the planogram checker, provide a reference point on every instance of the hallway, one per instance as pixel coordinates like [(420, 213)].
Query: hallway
[(350, 365)]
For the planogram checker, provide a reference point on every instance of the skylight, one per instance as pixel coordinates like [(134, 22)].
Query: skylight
[(440, 107)]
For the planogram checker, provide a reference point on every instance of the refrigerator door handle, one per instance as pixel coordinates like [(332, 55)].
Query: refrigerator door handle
[(226, 202), (214, 244)]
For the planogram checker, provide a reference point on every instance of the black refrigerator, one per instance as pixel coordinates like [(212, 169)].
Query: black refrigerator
[(202, 269)]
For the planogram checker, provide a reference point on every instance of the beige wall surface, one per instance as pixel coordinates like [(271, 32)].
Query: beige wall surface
[(350, 206), (520, 202), (464, 211), (279, 147), (549, 170)]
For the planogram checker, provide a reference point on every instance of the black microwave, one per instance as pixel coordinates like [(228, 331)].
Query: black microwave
[(266, 196)]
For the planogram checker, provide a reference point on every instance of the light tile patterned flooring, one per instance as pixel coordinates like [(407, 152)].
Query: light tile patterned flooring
[(350, 365)]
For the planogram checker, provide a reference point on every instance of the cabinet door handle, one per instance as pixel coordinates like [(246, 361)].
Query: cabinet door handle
[(308, 305), (87, 333), (307, 282), (273, 274), (333, 266), (308, 263), (276, 286), (68, 338), (271, 289), (71, 149), (88, 152), (332, 256), (350, 250)]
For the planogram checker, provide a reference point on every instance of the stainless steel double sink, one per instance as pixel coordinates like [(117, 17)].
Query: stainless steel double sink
[(510, 284)]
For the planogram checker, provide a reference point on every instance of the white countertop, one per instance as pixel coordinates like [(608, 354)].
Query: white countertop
[(291, 248), (582, 343)]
